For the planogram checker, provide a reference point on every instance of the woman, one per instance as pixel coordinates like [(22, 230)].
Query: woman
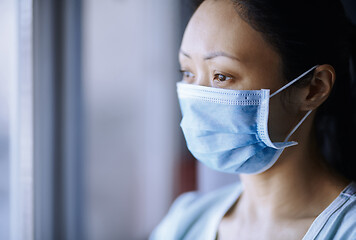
[(267, 93)]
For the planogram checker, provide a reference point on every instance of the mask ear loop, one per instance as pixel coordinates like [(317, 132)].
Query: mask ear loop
[(297, 126), (293, 81), (284, 87)]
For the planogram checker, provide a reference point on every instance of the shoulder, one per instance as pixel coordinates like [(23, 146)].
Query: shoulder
[(189, 209), (347, 214), (342, 222)]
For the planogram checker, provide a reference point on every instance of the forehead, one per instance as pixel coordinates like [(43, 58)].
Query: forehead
[(216, 26)]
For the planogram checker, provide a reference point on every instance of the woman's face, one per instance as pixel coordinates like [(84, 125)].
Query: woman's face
[(221, 50)]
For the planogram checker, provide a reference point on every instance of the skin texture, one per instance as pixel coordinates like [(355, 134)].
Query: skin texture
[(220, 50)]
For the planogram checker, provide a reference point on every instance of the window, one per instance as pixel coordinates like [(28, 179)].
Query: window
[(8, 15)]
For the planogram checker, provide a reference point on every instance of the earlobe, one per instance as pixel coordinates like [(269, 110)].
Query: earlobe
[(320, 86)]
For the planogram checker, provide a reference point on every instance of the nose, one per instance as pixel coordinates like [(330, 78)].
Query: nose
[(202, 80)]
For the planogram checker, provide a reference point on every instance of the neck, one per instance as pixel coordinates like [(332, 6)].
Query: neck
[(299, 185)]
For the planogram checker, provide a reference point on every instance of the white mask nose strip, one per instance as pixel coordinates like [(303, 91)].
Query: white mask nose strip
[(293, 81)]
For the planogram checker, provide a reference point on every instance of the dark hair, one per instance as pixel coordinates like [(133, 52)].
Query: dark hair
[(313, 32)]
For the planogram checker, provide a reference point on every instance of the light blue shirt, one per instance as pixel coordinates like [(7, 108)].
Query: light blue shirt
[(195, 216)]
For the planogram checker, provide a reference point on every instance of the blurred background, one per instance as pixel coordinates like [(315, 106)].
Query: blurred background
[(90, 144)]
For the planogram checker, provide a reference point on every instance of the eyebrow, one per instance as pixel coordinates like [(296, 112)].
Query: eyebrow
[(213, 55)]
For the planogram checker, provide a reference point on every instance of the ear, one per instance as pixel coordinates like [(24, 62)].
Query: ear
[(319, 88)]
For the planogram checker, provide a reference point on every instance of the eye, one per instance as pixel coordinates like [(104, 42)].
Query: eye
[(187, 75), (221, 77)]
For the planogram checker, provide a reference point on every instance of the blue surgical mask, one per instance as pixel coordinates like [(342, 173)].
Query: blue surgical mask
[(227, 129)]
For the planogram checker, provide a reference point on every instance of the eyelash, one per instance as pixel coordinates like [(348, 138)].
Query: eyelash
[(217, 75), (187, 75)]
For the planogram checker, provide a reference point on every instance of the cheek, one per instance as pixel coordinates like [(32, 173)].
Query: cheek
[(282, 117), (262, 76)]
